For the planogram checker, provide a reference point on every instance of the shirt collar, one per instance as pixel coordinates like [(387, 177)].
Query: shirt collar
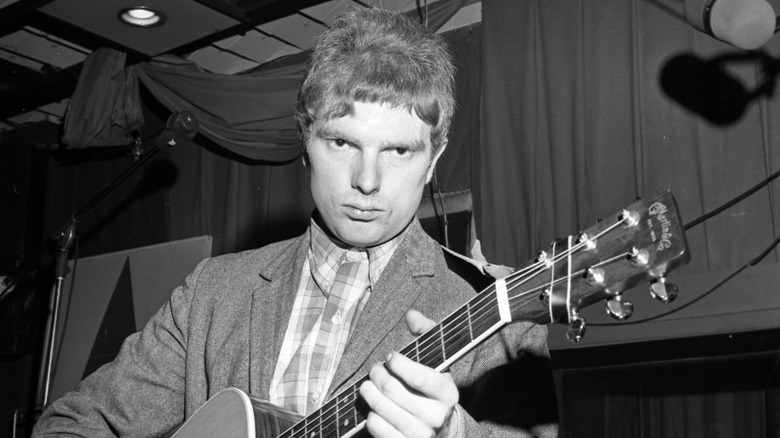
[(325, 256)]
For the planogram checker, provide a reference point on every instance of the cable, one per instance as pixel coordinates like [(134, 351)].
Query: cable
[(732, 202)]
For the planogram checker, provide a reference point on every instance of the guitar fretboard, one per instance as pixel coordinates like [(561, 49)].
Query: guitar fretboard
[(343, 416)]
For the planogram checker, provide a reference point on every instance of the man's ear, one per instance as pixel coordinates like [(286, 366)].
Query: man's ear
[(432, 166), (305, 156)]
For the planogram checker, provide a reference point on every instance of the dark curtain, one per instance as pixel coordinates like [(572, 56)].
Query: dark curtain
[(587, 105), (577, 122)]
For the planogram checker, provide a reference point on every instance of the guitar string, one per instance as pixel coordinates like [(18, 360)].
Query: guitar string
[(480, 303), (485, 297), (515, 280), (520, 279), (321, 424), (340, 411), (324, 419)]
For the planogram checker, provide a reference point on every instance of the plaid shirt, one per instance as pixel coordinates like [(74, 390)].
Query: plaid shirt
[(334, 287)]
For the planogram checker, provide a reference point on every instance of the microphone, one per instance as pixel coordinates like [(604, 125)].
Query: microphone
[(745, 24), (180, 125)]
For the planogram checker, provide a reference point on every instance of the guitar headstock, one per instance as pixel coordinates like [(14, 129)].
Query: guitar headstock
[(643, 242)]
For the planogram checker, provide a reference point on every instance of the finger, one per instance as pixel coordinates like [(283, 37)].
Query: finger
[(418, 323), (423, 379), (429, 411), (388, 416), (378, 427)]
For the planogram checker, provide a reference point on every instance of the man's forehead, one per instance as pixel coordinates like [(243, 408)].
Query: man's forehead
[(381, 122)]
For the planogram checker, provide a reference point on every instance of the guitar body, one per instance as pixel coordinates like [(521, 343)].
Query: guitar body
[(232, 413)]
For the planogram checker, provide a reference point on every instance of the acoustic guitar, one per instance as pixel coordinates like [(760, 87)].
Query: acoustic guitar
[(642, 242)]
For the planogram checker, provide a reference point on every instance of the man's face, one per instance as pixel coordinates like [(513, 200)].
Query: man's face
[(368, 171)]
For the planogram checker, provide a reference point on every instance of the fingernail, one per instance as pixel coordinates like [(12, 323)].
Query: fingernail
[(389, 355)]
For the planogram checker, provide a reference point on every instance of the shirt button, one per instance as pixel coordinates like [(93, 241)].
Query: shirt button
[(336, 319), (315, 398)]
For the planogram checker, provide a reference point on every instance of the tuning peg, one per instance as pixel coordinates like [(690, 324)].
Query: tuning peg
[(630, 218), (619, 309), (639, 257), (595, 276), (587, 241), (544, 258), (663, 291), (545, 295), (576, 330)]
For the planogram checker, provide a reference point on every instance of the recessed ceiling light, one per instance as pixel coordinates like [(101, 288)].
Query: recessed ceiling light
[(141, 16)]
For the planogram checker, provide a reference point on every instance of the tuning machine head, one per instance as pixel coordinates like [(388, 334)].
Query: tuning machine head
[(618, 308), (663, 291), (576, 330)]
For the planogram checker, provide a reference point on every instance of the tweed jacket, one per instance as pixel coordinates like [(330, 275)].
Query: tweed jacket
[(225, 326)]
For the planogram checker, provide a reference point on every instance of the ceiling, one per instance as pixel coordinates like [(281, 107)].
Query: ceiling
[(44, 42)]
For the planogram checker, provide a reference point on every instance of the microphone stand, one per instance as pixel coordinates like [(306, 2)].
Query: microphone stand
[(180, 125), (64, 240)]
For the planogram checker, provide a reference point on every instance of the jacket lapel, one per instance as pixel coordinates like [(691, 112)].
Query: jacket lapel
[(272, 304)]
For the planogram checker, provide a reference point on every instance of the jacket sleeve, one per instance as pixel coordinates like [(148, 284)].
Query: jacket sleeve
[(507, 387), (139, 393)]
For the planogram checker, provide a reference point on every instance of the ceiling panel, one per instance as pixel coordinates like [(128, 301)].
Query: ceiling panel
[(216, 60), (48, 49), (187, 21), (260, 47), (327, 12), (297, 30)]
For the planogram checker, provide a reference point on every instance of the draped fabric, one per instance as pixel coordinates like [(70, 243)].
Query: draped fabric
[(107, 106), (578, 121), (249, 114)]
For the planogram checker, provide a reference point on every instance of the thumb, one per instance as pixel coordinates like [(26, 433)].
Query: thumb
[(417, 322)]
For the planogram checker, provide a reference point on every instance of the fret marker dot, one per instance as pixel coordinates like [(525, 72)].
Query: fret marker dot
[(346, 422)]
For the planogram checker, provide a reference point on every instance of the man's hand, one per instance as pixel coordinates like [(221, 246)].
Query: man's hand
[(409, 399)]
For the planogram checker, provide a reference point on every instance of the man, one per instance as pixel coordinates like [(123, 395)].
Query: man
[(299, 320)]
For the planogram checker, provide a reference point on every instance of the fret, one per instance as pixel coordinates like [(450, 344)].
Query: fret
[(359, 406), (456, 330), (468, 318), (484, 313), (312, 427), (348, 413), (440, 328), (298, 430), (432, 353), (329, 419)]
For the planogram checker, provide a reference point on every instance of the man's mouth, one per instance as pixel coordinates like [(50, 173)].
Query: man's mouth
[(359, 212)]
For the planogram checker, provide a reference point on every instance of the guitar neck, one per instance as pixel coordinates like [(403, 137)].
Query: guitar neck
[(344, 415)]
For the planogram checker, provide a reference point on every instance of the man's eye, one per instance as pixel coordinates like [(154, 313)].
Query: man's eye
[(401, 151), (339, 142)]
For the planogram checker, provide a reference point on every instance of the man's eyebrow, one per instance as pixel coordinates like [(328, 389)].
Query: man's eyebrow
[(335, 132), (331, 132), (414, 145)]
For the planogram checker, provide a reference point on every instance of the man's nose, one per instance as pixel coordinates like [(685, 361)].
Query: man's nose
[(366, 174)]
